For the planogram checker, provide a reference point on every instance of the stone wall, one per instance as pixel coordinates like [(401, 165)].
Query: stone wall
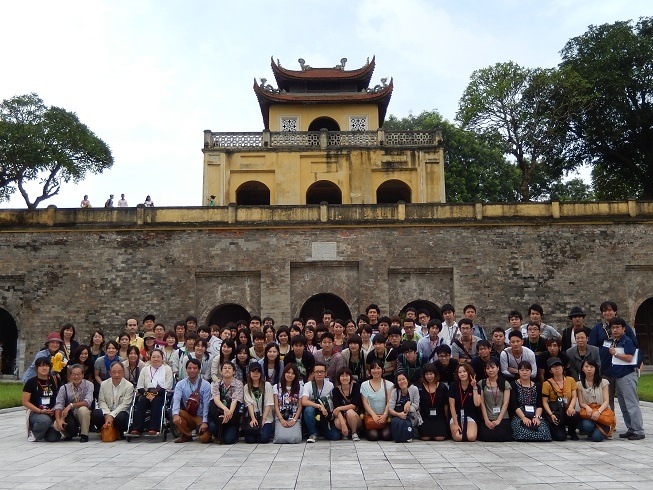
[(95, 268)]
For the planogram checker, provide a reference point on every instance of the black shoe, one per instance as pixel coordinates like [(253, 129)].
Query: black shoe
[(626, 435), (83, 438), (573, 436), (68, 438), (636, 437)]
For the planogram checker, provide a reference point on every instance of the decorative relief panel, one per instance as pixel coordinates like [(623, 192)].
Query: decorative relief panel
[(357, 123), (289, 124)]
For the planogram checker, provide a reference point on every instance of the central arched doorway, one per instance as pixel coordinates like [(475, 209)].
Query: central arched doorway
[(229, 312), (315, 306), (323, 191), (419, 304), (644, 330), (324, 123), (253, 193), (8, 341)]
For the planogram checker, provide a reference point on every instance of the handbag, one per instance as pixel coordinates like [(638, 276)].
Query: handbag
[(557, 408), (109, 433), (193, 402), (607, 418), (371, 423), (248, 430)]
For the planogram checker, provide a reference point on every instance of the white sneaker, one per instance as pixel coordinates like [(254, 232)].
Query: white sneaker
[(409, 440), (355, 438), (312, 438), (30, 437)]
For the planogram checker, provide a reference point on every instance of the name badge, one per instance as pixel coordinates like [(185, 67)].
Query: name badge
[(529, 408), (45, 401), (433, 412), (462, 413), (496, 410), (607, 344)]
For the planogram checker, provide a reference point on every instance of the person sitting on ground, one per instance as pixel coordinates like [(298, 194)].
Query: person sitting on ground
[(433, 405), (563, 390), (287, 406), (495, 394), (347, 404), (463, 402), (190, 404), (526, 404), (404, 403), (114, 400), (39, 398), (317, 401), (593, 396), (228, 396), (72, 411), (375, 395), (259, 406)]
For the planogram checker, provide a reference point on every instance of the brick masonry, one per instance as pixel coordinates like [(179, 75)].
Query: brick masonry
[(99, 278)]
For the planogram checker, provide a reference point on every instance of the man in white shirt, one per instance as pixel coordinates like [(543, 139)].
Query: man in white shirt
[(317, 400), (450, 330), (428, 345), (122, 202)]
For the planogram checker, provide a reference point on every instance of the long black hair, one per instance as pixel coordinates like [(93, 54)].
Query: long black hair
[(597, 373)]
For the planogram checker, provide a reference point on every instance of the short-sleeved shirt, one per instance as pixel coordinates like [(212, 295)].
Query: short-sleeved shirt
[(593, 394), (341, 399), (42, 393), (463, 399), (376, 399), (327, 389), (554, 391), (288, 400), (493, 398)]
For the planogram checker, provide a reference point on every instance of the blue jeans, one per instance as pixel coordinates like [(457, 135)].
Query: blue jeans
[(227, 433), (592, 431), (328, 430), (41, 426)]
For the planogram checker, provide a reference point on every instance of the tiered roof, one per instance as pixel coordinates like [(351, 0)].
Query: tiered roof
[(304, 87)]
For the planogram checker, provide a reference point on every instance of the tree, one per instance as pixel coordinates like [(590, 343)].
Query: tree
[(475, 168), (609, 73), (512, 104), (45, 144)]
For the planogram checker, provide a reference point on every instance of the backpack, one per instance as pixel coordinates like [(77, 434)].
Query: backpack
[(402, 429), (193, 402)]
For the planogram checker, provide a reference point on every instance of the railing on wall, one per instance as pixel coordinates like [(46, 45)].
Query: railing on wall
[(321, 139)]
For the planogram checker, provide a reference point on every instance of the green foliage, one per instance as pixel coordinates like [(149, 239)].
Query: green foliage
[(608, 73), (475, 168), (45, 144), (572, 190), (512, 104)]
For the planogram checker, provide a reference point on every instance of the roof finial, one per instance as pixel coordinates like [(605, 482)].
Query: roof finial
[(303, 64), (341, 66)]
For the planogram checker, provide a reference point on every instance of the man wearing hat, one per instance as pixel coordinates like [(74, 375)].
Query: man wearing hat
[(53, 351), (577, 318)]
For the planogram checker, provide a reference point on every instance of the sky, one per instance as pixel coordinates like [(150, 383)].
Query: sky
[(149, 77)]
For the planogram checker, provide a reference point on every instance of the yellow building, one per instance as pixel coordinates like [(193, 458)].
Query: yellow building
[(323, 141)]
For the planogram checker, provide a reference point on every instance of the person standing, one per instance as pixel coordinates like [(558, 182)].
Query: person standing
[(85, 202), (109, 202), (122, 202), (624, 370)]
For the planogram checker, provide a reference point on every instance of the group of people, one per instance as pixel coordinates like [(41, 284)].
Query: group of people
[(384, 378), (122, 202)]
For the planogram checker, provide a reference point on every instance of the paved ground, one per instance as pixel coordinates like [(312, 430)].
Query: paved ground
[(153, 464)]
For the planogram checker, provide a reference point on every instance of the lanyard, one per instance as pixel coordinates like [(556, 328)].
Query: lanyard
[(45, 389), (152, 375), (432, 395), (462, 400), (495, 395)]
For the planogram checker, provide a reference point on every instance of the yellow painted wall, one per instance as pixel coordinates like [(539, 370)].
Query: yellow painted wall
[(340, 113), (358, 173)]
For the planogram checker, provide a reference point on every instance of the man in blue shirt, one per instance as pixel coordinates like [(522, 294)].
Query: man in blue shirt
[(623, 349), (193, 415)]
